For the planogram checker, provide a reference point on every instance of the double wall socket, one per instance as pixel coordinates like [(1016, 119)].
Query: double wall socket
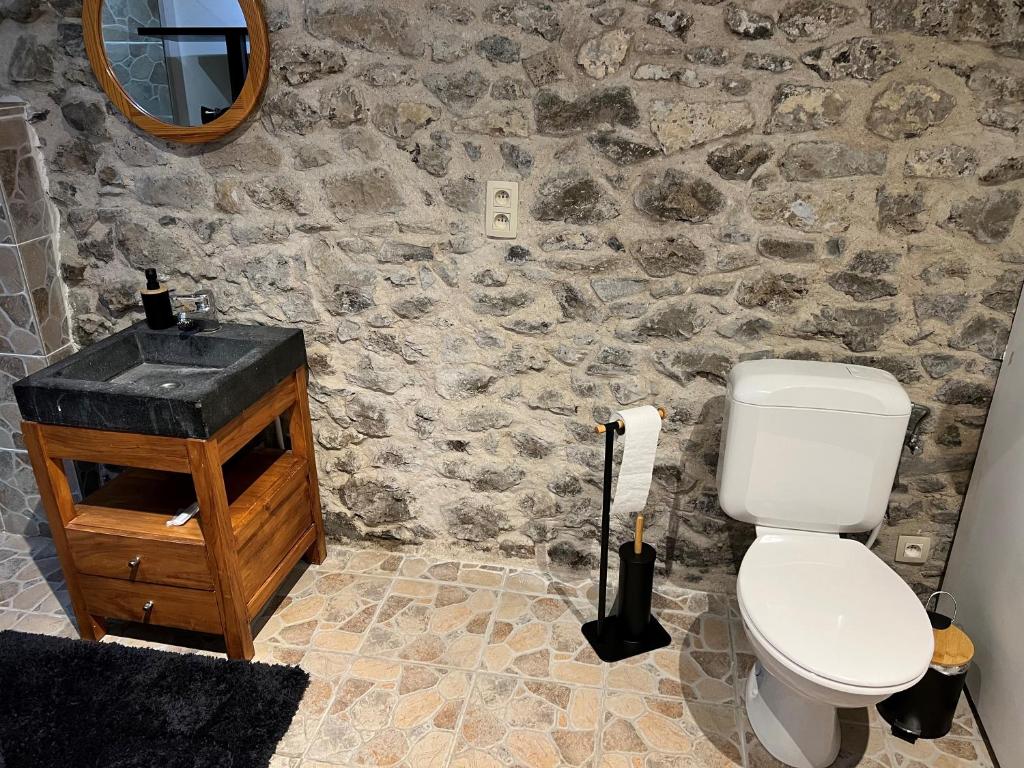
[(913, 549), (502, 214)]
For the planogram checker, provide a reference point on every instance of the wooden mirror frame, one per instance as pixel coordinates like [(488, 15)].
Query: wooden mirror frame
[(233, 116)]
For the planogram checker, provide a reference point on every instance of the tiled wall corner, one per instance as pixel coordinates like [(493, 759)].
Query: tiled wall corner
[(20, 511), (31, 213), (34, 327), (19, 333), (40, 262), (12, 368)]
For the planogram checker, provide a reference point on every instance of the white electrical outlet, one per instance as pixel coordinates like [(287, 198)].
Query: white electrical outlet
[(502, 209), (913, 549)]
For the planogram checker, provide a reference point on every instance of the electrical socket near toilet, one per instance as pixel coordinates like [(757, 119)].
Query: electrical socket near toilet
[(913, 549), (502, 209)]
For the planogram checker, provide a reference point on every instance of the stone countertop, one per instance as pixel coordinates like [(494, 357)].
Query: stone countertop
[(162, 382)]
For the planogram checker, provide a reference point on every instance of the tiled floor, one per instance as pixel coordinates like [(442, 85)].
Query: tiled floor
[(423, 663)]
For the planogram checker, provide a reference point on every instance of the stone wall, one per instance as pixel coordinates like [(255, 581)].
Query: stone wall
[(700, 183)]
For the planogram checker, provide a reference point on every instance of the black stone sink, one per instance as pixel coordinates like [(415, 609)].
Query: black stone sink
[(163, 382)]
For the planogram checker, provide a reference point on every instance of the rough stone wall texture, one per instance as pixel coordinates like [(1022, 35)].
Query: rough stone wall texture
[(701, 183)]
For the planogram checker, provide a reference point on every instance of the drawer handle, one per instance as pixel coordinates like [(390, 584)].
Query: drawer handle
[(147, 607), (134, 562)]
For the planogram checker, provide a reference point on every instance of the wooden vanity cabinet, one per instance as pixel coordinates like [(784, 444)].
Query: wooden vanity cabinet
[(259, 513)]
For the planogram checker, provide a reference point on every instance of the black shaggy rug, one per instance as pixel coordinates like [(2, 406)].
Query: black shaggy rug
[(96, 705)]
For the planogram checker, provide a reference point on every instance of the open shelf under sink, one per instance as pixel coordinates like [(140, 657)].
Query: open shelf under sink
[(139, 502)]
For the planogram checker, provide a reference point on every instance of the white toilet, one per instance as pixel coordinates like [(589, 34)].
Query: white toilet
[(809, 451)]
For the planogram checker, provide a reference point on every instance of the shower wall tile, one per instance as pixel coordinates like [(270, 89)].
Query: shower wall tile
[(6, 227), (12, 279), (12, 368), (39, 260), (30, 212), (19, 334), (20, 510), (34, 330)]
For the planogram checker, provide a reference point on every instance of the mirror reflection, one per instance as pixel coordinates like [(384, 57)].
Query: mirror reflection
[(182, 61)]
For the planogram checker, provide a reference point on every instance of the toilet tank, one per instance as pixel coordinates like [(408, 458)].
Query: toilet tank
[(810, 446)]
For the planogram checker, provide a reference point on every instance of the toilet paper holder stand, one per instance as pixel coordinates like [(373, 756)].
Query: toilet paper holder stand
[(630, 629)]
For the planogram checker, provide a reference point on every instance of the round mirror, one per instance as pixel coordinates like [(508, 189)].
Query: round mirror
[(185, 70)]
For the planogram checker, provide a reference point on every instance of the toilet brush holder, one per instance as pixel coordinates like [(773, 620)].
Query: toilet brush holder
[(636, 590), (629, 629)]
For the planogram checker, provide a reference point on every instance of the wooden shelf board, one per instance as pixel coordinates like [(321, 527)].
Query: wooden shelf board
[(125, 521), (138, 502)]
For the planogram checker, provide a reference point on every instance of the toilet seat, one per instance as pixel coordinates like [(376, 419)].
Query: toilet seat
[(833, 612)]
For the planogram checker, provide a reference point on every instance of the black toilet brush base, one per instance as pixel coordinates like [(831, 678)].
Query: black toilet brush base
[(608, 641), (630, 629)]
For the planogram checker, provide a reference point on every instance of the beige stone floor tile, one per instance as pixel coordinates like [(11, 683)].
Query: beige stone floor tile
[(58, 601), (734, 607), (539, 636), (744, 657), (657, 732), (38, 546), (470, 574), (860, 747), (946, 752), (539, 582), (369, 561), (965, 726), (864, 716), (29, 577), (387, 712), (44, 624), (326, 673), (331, 611), (669, 597), (300, 578), (513, 721), (432, 622), (541, 697), (32, 595), (697, 666)]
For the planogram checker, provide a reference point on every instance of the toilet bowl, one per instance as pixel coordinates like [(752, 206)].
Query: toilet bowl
[(831, 626), (809, 453)]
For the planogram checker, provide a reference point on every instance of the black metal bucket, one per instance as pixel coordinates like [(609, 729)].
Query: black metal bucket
[(926, 709)]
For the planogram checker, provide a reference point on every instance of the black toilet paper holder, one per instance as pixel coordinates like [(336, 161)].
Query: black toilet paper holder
[(630, 629)]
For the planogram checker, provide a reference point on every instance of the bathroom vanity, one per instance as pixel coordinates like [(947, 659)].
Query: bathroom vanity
[(187, 416)]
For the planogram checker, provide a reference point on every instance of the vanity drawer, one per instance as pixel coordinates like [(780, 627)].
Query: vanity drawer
[(193, 609), (177, 563)]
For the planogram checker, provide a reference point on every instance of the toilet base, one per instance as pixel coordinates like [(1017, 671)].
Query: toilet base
[(799, 731)]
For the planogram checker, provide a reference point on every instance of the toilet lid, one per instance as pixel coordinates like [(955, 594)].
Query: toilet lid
[(833, 608)]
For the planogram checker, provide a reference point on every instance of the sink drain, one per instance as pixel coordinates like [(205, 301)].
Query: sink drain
[(170, 385)]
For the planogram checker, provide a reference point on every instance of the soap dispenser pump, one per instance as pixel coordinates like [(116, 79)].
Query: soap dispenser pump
[(156, 300)]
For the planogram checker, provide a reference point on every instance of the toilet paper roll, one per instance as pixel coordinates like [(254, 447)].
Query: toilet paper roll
[(643, 425)]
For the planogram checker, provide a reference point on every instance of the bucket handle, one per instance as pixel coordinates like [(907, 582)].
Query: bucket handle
[(936, 596)]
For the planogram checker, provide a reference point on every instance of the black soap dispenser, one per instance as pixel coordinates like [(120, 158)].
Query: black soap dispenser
[(156, 300)]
